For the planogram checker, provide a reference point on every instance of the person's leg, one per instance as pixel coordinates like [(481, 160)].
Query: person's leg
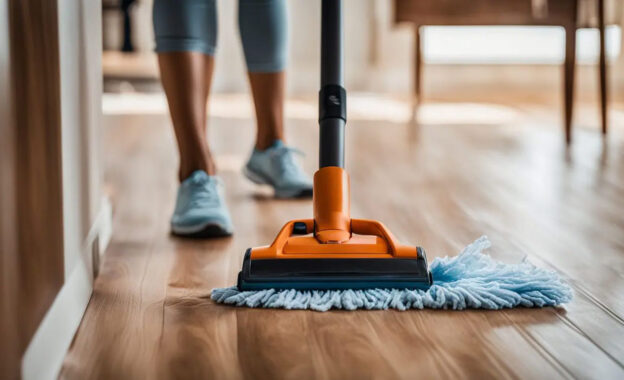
[(186, 77), (186, 34), (263, 29), (185, 42), (264, 35), (268, 95)]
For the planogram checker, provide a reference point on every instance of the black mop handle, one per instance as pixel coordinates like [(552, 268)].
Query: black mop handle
[(332, 97)]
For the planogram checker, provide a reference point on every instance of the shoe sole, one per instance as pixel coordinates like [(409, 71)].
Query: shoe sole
[(206, 231), (259, 179)]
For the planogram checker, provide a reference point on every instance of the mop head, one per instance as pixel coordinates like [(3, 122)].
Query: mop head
[(471, 279)]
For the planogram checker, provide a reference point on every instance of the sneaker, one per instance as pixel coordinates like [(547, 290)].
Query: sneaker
[(200, 209), (276, 166)]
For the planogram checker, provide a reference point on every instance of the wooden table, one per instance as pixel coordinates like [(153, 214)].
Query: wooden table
[(506, 12)]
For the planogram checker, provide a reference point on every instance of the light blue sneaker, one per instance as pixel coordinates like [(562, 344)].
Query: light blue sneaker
[(276, 166), (200, 209)]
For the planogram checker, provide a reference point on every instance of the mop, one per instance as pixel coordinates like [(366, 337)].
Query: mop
[(470, 280), (333, 261)]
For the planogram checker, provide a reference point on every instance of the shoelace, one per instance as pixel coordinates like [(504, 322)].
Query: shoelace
[(284, 159)]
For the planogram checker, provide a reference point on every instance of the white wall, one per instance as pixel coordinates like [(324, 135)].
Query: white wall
[(80, 57)]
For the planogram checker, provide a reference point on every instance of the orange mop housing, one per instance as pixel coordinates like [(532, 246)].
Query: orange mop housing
[(334, 251), (332, 232)]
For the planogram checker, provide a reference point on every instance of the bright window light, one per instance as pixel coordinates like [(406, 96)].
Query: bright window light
[(513, 44)]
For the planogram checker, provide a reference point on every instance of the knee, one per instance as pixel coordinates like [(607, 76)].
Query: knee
[(185, 25), (264, 34)]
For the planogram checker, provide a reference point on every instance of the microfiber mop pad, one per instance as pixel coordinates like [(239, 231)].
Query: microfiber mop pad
[(471, 279)]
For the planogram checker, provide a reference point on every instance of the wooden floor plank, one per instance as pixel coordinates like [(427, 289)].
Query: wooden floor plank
[(610, 327), (440, 186)]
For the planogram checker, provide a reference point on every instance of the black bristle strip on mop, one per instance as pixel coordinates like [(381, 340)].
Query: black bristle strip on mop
[(321, 274)]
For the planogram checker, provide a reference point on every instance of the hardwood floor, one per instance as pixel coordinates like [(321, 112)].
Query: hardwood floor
[(503, 171)]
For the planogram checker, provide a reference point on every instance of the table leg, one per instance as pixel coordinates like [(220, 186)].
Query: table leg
[(569, 66), (603, 67), (417, 90)]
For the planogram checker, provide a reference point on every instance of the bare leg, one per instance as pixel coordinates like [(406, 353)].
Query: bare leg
[(268, 95), (186, 78)]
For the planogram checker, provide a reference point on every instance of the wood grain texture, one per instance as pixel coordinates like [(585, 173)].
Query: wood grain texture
[(440, 185), (481, 12), (33, 172), (9, 283)]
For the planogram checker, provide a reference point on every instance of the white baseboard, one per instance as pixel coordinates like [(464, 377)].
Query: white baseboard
[(45, 353)]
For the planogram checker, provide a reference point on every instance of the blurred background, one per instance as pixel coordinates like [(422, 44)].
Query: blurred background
[(503, 117), (380, 49)]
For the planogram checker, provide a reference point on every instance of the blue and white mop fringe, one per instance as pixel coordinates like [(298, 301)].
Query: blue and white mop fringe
[(471, 279)]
